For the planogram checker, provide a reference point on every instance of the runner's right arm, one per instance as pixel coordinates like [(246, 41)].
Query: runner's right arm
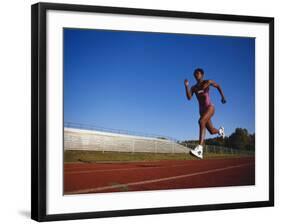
[(189, 92)]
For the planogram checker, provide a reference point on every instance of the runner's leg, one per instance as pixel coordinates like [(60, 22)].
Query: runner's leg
[(212, 130), (205, 117)]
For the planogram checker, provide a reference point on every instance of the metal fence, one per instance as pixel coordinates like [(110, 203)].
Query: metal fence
[(161, 143), (221, 149), (117, 131), (80, 140)]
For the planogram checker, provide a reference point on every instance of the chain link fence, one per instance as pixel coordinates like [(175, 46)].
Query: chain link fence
[(131, 141), (221, 149)]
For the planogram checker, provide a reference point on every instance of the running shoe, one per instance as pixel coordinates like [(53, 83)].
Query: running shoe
[(221, 132), (198, 151)]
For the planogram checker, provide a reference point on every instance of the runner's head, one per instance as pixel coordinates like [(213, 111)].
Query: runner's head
[(198, 74)]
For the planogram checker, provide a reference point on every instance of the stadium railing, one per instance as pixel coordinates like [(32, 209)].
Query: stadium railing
[(134, 145)]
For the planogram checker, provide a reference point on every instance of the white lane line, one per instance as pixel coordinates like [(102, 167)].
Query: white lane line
[(123, 169), (162, 166), (156, 180)]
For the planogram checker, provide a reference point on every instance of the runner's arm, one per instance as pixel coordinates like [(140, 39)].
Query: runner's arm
[(189, 92), (217, 86)]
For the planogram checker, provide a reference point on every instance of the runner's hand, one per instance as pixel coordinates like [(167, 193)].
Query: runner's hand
[(186, 83)]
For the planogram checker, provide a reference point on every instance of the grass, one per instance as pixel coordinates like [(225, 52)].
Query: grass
[(122, 187), (97, 156)]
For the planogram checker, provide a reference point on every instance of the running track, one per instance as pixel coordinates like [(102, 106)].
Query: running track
[(82, 178)]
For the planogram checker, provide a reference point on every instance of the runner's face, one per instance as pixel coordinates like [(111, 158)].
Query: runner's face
[(198, 76)]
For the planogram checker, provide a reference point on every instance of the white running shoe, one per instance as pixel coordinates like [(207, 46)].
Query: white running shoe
[(221, 132), (198, 151)]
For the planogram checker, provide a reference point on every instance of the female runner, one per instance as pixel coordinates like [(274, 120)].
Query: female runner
[(206, 108)]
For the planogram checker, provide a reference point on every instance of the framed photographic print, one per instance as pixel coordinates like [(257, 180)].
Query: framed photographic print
[(141, 111)]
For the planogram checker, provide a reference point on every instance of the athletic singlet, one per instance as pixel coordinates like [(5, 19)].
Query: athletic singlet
[(204, 100)]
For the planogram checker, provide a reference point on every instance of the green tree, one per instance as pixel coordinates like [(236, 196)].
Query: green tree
[(239, 139)]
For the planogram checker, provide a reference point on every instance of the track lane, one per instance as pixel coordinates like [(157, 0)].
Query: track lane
[(113, 177)]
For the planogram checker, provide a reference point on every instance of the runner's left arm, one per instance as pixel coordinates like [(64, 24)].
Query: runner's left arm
[(217, 86)]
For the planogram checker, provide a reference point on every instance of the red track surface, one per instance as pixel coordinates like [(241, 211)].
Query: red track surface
[(155, 175)]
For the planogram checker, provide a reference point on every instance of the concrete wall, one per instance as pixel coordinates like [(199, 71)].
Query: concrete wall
[(77, 139)]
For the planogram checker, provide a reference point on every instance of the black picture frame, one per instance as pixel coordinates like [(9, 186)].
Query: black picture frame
[(38, 110)]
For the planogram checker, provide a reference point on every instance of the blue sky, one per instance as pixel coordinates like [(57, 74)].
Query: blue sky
[(134, 80)]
